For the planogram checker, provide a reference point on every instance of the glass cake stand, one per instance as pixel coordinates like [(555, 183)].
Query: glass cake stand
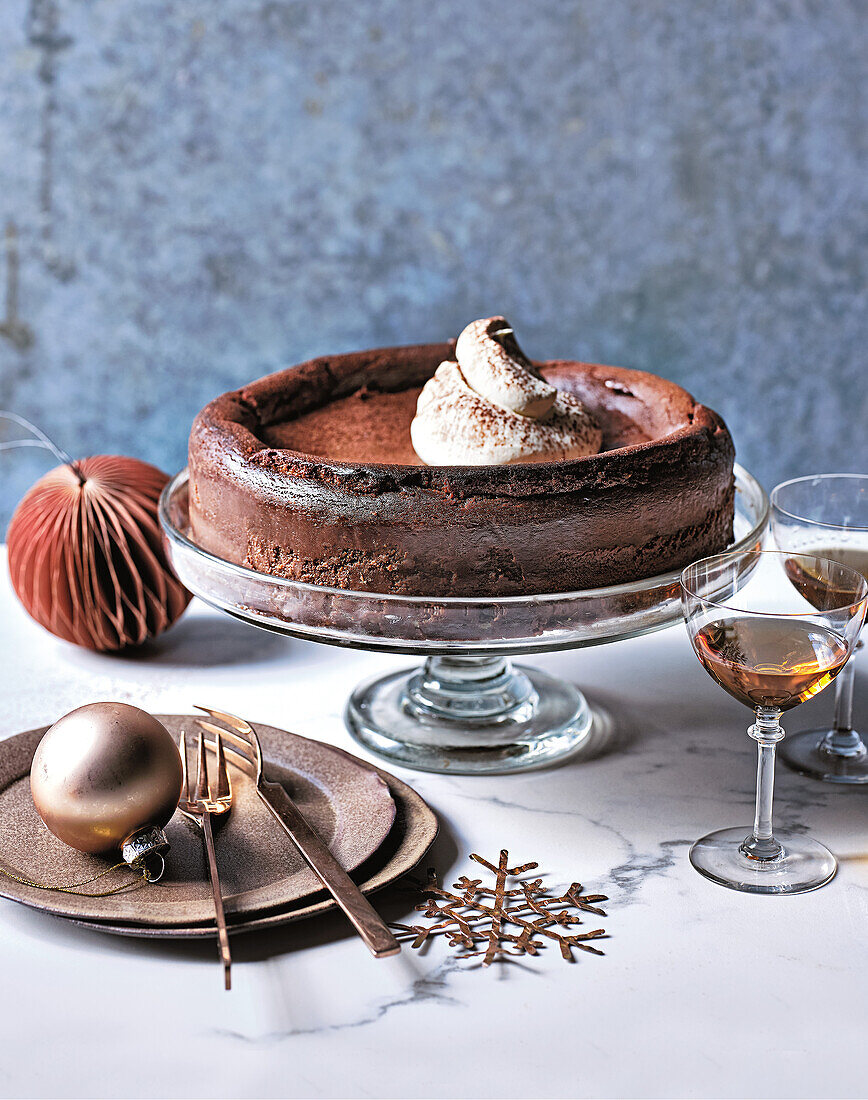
[(468, 709)]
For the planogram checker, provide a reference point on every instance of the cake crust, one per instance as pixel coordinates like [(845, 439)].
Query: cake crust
[(659, 495)]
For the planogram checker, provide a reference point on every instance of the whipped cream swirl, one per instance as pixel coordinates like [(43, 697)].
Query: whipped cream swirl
[(490, 406)]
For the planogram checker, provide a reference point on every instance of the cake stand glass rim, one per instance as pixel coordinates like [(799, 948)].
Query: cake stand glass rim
[(744, 481), (439, 647)]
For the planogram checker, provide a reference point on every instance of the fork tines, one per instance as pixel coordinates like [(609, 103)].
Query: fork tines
[(240, 739), (203, 783)]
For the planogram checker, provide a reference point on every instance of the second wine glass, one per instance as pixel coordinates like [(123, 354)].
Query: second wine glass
[(827, 515)]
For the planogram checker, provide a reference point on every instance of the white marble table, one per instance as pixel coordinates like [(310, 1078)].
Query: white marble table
[(703, 992)]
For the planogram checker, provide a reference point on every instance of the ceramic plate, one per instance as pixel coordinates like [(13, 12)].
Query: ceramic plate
[(412, 834), (346, 800)]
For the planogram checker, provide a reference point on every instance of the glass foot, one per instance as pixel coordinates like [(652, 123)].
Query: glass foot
[(836, 756), (804, 865), (469, 715)]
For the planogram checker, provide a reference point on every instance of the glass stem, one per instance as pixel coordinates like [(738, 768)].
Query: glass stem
[(470, 689), (766, 731), (842, 739)]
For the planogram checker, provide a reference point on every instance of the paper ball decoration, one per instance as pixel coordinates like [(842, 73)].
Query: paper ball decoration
[(86, 555)]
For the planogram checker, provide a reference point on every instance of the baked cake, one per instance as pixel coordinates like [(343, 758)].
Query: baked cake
[(537, 476)]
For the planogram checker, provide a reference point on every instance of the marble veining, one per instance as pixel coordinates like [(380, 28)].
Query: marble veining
[(668, 1010)]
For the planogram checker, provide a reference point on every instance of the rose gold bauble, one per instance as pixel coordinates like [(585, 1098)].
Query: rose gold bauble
[(103, 774), (86, 554)]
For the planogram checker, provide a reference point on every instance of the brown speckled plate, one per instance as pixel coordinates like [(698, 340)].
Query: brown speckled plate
[(346, 800), (413, 833)]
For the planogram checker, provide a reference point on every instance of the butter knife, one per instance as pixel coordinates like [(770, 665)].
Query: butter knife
[(361, 914)]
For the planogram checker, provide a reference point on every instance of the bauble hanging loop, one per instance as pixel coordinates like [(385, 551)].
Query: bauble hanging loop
[(86, 555)]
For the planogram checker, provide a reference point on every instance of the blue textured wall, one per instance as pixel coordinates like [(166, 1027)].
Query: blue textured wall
[(206, 191)]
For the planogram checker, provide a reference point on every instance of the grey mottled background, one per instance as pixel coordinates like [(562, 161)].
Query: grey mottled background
[(205, 191)]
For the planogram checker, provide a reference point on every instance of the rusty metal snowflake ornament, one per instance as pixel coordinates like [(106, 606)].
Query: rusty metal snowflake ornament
[(515, 921)]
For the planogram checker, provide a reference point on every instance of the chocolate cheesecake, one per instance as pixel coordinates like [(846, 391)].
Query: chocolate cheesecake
[(311, 474)]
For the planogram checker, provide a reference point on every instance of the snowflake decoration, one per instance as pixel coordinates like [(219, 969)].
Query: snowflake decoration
[(468, 920)]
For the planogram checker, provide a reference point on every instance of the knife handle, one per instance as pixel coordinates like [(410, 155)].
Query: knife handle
[(359, 911)]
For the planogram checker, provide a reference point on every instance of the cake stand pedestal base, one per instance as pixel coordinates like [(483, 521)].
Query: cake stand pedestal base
[(469, 715)]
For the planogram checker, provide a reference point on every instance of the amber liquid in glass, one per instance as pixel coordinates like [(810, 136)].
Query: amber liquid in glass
[(770, 662), (818, 590), (854, 556)]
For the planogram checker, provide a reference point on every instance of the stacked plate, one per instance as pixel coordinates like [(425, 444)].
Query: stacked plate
[(376, 826)]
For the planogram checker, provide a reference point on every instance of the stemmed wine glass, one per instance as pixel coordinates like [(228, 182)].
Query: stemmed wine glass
[(827, 515), (771, 661)]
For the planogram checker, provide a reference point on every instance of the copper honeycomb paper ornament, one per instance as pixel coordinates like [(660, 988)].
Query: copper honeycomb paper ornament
[(86, 556)]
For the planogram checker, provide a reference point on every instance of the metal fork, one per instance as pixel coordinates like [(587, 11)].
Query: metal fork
[(243, 744), (202, 807)]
